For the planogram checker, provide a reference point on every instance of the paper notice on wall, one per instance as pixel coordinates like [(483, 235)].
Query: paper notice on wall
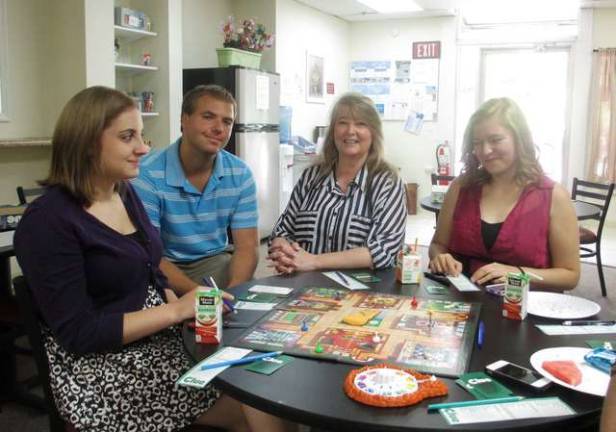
[(414, 122), (262, 92)]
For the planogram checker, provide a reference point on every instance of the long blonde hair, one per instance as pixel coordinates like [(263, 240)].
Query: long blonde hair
[(510, 116), (361, 108)]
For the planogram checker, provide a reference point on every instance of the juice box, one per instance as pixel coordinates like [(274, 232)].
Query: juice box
[(515, 297), (208, 316), (408, 267)]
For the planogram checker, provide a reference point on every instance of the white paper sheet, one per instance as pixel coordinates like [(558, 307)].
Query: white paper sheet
[(282, 291), (198, 378), (350, 283), (462, 283), (254, 306), (528, 408), (558, 330)]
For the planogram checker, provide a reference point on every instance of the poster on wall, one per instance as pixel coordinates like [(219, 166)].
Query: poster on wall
[(403, 86), (315, 79)]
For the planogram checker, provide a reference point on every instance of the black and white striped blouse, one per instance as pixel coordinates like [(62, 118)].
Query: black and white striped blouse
[(322, 218)]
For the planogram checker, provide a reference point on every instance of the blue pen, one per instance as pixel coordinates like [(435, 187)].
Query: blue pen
[(438, 406), (211, 282), (480, 334), (242, 360)]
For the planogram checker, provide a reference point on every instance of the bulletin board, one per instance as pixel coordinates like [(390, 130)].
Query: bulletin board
[(401, 87)]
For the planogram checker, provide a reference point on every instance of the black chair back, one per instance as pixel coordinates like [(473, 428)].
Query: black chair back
[(33, 330), (436, 178), (594, 193), (27, 195)]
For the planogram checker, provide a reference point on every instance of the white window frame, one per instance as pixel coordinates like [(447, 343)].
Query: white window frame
[(4, 70)]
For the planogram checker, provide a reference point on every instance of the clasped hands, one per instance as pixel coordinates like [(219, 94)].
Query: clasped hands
[(493, 272), (288, 257)]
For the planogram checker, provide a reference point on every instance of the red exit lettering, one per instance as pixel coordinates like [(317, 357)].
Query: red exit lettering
[(427, 50)]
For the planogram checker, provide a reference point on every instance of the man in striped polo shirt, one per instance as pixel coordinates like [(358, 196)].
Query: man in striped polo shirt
[(193, 191)]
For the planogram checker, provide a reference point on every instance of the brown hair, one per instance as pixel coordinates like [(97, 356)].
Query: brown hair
[(215, 91), (362, 108), (76, 142), (510, 116)]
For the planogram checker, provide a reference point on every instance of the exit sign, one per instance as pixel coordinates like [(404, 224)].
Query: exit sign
[(427, 50)]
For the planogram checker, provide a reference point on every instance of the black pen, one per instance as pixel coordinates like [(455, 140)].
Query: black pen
[(344, 279), (589, 323)]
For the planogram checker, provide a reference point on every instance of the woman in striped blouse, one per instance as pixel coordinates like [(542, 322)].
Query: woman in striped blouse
[(349, 209)]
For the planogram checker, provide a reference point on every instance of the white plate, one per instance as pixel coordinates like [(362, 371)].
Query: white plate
[(594, 381), (560, 306)]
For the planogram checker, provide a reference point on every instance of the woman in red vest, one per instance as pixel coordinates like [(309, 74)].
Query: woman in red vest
[(502, 214)]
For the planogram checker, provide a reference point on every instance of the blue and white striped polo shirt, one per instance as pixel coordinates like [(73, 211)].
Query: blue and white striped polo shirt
[(193, 224)]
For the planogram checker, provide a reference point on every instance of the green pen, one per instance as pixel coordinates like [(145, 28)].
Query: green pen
[(438, 406)]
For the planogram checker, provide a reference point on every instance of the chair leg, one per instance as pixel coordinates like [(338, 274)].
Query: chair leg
[(600, 270)]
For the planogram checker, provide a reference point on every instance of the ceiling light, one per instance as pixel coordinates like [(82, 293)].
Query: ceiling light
[(392, 6)]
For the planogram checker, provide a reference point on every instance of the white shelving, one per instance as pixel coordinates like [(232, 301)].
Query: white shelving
[(130, 34), (129, 68)]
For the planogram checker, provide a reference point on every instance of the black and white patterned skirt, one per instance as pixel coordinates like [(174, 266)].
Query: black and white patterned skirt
[(128, 390)]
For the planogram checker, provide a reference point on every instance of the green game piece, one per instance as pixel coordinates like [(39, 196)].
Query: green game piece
[(318, 349)]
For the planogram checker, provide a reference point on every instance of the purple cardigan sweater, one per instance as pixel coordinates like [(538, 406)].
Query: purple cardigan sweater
[(85, 276)]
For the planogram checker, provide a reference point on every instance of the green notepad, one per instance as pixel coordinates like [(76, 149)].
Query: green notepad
[(483, 386), (270, 365), (436, 290), (365, 277)]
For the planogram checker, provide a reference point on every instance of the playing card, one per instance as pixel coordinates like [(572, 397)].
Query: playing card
[(436, 290), (268, 366), (482, 386)]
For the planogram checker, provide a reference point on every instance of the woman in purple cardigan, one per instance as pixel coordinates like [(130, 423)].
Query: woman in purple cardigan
[(91, 256)]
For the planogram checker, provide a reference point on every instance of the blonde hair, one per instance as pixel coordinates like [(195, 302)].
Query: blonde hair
[(361, 108), (76, 142), (510, 116)]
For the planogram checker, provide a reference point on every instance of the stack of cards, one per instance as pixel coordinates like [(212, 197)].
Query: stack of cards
[(482, 386)]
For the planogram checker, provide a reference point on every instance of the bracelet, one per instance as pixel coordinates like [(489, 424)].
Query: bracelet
[(521, 269)]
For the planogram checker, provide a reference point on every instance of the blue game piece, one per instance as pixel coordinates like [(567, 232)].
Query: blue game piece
[(304, 326)]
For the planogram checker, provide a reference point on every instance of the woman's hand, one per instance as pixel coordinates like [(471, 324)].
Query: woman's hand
[(298, 260), (445, 263), (494, 272)]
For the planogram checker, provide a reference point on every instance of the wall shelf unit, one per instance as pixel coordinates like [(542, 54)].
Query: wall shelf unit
[(130, 34), (129, 68)]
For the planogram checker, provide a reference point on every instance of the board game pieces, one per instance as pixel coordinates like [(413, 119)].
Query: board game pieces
[(304, 326), (391, 386), (376, 338), (414, 303), (318, 348)]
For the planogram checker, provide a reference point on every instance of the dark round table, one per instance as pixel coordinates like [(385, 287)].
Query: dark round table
[(309, 391)]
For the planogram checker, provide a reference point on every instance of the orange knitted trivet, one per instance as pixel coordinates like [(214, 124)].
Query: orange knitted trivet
[(391, 386)]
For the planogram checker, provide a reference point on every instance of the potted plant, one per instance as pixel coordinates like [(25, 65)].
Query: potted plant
[(243, 44)]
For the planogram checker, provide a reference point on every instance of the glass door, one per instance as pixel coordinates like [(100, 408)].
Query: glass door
[(537, 79)]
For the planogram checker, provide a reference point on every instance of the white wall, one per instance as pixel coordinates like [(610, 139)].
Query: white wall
[(392, 40), (301, 29), (201, 33), (27, 23)]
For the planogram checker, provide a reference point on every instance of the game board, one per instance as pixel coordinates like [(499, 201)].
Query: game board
[(432, 336)]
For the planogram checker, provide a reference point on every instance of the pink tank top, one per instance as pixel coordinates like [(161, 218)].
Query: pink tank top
[(523, 239)]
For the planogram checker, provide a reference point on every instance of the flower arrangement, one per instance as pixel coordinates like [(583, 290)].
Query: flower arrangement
[(248, 36)]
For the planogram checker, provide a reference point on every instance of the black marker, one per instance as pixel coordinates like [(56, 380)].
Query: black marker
[(589, 323), (438, 277)]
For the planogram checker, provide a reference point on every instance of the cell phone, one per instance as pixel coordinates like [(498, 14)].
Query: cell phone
[(518, 374), (438, 277)]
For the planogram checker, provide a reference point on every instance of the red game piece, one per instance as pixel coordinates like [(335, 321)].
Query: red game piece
[(414, 302)]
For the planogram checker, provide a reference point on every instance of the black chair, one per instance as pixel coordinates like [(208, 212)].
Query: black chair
[(600, 195), (33, 330), (27, 195), (436, 178)]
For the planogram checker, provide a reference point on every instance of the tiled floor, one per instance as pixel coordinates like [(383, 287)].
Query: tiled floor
[(421, 226)]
